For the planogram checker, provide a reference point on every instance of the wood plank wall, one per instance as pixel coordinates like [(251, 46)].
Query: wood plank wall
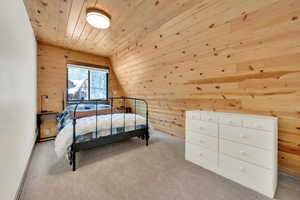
[(52, 73), (221, 55)]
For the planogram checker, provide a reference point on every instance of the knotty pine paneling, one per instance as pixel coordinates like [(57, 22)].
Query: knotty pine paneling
[(52, 73), (62, 22), (221, 55)]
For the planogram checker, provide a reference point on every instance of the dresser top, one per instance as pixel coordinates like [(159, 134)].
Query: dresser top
[(216, 113)]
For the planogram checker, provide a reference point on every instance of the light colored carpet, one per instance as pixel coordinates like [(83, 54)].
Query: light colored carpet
[(130, 170)]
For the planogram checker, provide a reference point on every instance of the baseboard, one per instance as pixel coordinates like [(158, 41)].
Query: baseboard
[(19, 192), (288, 175)]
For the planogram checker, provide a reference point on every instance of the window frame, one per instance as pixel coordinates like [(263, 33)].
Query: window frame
[(91, 66)]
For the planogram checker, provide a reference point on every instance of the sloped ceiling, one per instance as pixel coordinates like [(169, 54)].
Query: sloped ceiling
[(62, 22), (223, 55)]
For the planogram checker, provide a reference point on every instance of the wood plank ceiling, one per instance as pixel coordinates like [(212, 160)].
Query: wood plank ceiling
[(62, 22), (224, 55)]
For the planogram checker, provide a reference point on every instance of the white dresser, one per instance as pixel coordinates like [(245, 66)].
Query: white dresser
[(240, 147)]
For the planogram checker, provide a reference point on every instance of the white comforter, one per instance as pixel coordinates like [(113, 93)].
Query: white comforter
[(88, 124)]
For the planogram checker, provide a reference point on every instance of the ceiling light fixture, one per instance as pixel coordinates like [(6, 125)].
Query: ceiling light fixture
[(97, 18)]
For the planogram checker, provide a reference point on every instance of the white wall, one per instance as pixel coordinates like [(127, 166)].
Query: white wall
[(17, 94)]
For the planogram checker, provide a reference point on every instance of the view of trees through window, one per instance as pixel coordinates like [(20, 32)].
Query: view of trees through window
[(86, 83)]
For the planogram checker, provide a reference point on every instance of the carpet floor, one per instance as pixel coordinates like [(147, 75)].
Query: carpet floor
[(130, 170)]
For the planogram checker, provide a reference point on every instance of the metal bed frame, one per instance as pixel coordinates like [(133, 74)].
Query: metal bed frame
[(76, 146)]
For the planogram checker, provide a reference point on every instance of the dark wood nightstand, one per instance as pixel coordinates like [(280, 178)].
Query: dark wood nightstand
[(46, 124), (121, 109)]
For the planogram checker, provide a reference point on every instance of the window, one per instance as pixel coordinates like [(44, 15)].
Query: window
[(86, 83)]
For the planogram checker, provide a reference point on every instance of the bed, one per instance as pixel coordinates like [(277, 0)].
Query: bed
[(89, 124)]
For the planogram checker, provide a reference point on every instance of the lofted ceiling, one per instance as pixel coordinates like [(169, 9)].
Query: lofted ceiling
[(222, 55), (62, 22)]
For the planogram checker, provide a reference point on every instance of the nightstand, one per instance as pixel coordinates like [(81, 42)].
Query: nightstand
[(46, 124), (127, 109)]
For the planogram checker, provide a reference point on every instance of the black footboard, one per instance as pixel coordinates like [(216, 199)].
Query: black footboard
[(116, 134)]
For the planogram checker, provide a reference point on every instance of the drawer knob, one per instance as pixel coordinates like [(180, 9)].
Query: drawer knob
[(243, 153), (242, 136), (200, 154)]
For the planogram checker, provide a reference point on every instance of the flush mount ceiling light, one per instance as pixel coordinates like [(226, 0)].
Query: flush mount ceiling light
[(97, 18)]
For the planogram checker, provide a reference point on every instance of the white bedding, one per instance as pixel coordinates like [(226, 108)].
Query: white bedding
[(88, 124)]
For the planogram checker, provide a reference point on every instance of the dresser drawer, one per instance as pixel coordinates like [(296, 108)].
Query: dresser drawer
[(194, 115), (202, 156), (206, 128), (267, 125), (192, 124), (209, 117), (202, 140), (258, 138), (249, 175), (247, 153), (230, 120)]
